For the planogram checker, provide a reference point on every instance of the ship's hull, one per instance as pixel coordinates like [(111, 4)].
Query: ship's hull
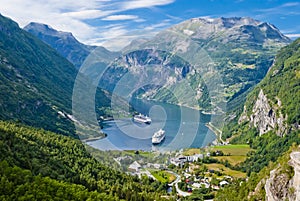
[(142, 121), (158, 142), (158, 137)]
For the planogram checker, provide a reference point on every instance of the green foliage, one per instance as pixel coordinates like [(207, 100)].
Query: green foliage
[(65, 161), (268, 147), (283, 83), (20, 184)]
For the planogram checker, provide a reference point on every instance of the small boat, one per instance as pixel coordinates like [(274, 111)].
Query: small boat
[(142, 119), (158, 137)]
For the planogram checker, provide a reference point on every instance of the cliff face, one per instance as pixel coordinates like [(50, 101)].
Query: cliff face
[(295, 182), (274, 103), (264, 117), (280, 186)]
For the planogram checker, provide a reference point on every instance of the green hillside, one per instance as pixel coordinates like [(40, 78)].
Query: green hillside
[(283, 83), (281, 88), (36, 82), (37, 164)]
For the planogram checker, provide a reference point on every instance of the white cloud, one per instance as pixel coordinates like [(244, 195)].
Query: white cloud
[(133, 4), (278, 9), (120, 17), (159, 25), (290, 4), (71, 16), (87, 14), (292, 35), (53, 13)]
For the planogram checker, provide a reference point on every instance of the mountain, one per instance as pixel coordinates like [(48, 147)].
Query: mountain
[(37, 83), (65, 43), (229, 55), (226, 58), (152, 73), (270, 124)]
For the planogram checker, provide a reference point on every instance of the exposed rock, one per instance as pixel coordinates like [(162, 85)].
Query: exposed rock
[(295, 182), (277, 186), (280, 187), (264, 117), (243, 116)]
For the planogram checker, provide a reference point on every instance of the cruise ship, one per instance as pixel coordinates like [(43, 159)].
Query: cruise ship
[(142, 119), (158, 137)]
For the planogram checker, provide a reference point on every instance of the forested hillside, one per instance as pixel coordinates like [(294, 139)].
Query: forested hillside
[(37, 164)]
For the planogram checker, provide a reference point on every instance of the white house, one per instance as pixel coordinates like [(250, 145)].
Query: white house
[(135, 166), (223, 183)]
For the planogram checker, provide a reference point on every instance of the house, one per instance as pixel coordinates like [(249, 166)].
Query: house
[(157, 166), (187, 175), (196, 185), (194, 158), (134, 167), (223, 183), (205, 184), (180, 160)]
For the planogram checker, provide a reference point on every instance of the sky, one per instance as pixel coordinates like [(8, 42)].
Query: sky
[(114, 23)]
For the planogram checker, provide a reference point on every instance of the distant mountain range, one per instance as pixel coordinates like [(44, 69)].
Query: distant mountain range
[(227, 56), (238, 50)]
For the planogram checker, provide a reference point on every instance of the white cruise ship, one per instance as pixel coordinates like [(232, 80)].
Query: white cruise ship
[(142, 119), (158, 137)]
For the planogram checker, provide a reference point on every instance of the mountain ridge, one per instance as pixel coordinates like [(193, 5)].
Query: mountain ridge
[(240, 50), (64, 42)]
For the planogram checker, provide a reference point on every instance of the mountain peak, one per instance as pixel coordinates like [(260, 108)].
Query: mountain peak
[(232, 28), (35, 27), (64, 42), (227, 22)]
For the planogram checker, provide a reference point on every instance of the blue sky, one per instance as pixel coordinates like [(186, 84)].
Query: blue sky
[(114, 23)]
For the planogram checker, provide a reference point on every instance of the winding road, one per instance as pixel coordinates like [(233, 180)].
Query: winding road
[(177, 180)]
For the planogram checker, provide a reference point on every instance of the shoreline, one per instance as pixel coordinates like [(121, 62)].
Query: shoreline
[(91, 139), (201, 110), (217, 132)]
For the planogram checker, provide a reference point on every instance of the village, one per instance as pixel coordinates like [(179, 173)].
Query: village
[(189, 172)]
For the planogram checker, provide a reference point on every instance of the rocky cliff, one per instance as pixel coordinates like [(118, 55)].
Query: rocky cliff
[(274, 103), (266, 118), (279, 186)]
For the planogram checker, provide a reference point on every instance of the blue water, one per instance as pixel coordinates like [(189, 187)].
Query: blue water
[(184, 128)]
